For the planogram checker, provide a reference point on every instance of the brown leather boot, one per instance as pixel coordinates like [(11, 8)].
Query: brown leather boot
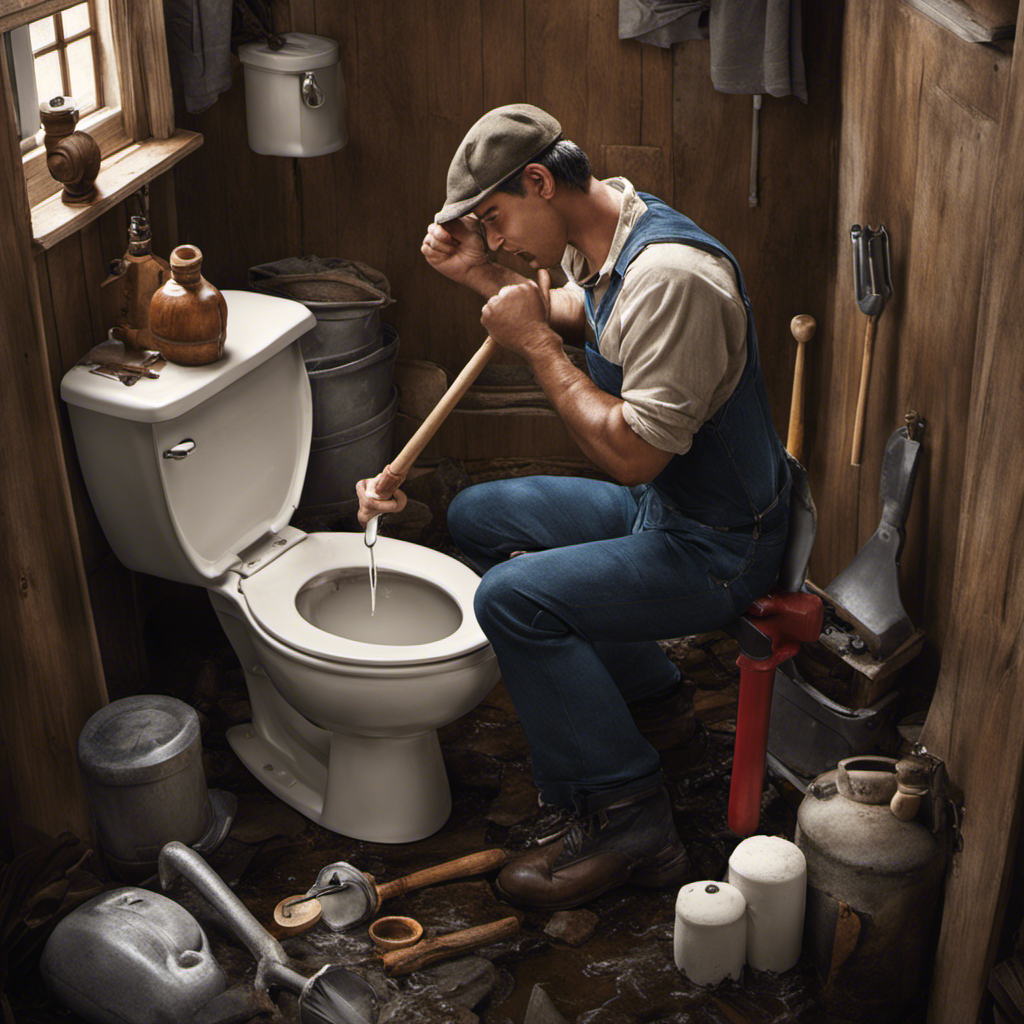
[(617, 836)]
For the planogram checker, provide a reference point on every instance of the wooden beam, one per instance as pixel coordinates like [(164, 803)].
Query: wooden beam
[(976, 722), (52, 679)]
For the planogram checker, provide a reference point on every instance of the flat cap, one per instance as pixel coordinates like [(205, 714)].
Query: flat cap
[(502, 142)]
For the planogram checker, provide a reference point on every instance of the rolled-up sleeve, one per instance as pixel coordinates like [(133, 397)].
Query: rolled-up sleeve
[(678, 330)]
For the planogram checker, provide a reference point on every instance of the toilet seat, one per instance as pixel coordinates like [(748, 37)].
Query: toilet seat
[(271, 597)]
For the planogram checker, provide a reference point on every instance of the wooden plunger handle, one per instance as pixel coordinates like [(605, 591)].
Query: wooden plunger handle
[(473, 864), (392, 475), (427, 951), (802, 328), (862, 397)]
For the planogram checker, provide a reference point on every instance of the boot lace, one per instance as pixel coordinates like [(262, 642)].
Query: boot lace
[(553, 825)]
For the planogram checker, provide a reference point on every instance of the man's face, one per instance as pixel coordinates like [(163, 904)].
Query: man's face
[(525, 225)]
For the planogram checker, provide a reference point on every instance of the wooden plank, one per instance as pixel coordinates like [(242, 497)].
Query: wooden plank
[(503, 46), (122, 174), (656, 115), (956, 158), (557, 48), (644, 166), (150, 45), (52, 679), (614, 97), (985, 25), (21, 12), (975, 722)]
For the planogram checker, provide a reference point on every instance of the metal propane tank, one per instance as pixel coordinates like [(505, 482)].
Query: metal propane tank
[(876, 835)]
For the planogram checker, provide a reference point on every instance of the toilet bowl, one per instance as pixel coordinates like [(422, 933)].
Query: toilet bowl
[(194, 477)]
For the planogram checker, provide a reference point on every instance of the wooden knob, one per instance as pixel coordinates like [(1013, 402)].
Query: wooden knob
[(803, 327)]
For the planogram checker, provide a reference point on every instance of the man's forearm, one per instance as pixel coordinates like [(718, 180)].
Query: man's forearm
[(594, 418)]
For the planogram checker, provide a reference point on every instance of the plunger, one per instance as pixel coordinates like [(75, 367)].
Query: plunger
[(392, 475)]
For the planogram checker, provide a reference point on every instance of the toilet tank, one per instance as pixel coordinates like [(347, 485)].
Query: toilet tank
[(188, 470)]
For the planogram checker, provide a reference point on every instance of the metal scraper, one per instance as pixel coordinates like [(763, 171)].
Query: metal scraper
[(867, 591)]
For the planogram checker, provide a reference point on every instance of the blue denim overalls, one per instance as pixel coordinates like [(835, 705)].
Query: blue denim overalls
[(612, 569)]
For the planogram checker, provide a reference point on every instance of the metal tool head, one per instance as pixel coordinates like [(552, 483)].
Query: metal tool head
[(867, 592), (336, 995), (344, 905), (871, 277)]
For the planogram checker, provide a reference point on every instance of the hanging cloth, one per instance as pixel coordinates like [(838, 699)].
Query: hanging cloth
[(663, 22), (756, 47)]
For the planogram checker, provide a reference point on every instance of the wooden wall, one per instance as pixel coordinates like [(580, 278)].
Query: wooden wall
[(919, 135)]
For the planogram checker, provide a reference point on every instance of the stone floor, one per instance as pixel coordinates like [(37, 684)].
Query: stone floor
[(608, 963)]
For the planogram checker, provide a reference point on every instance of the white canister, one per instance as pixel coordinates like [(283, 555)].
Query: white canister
[(771, 872), (294, 96), (710, 940)]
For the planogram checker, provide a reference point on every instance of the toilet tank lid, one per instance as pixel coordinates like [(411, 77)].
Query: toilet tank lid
[(259, 326), (301, 52)]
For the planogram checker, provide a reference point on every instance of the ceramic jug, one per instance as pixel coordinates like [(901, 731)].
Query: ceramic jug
[(188, 315)]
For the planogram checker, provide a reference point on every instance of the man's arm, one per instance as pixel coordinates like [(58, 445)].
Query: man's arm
[(458, 251), (516, 318)]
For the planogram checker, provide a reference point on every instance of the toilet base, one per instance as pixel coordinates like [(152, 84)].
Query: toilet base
[(379, 789)]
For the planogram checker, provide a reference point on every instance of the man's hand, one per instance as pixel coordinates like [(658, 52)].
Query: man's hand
[(456, 249), (371, 505), (518, 315)]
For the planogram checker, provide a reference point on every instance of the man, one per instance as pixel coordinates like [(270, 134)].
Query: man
[(674, 409)]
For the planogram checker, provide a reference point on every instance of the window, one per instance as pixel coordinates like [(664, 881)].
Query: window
[(66, 57), (94, 51)]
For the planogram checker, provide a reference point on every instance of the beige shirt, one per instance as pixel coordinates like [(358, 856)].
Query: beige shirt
[(677, 329)]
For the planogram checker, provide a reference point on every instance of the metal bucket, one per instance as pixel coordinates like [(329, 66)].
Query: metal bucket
[(141, 758), (349, 394), (337, 462), (341, 330)]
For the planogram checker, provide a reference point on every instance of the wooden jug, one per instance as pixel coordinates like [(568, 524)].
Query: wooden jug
[(188, 316)]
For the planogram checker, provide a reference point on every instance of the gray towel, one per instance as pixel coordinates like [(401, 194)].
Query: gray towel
[(663, 22), (199, 45), (756, 47)]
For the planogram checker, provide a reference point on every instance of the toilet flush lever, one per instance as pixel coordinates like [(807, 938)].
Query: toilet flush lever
[(181, 450), (312, 94)]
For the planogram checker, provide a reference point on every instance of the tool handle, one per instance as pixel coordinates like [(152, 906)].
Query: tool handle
[(472, 864), (802, 328), (395, 472), (428, 951), (862, 397)]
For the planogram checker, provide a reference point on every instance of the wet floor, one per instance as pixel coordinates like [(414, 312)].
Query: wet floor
[(607, 963)]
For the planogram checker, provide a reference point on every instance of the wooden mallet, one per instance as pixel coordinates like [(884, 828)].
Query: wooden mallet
[(802, 328)]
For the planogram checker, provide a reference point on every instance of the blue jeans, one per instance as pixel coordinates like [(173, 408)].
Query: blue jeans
[(609, 571)]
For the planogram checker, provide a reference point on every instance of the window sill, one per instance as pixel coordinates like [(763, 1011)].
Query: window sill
[(120, 175)]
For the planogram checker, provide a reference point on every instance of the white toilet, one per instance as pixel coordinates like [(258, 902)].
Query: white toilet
[(194, 477)]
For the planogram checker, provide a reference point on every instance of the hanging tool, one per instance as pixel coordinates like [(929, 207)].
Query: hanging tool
[(867, 592), (873, 286), (349, 896), (755, 150), (802, 328), (334, 995)]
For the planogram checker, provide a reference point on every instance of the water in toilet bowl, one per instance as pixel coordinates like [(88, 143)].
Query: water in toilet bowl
[(408, 610)]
